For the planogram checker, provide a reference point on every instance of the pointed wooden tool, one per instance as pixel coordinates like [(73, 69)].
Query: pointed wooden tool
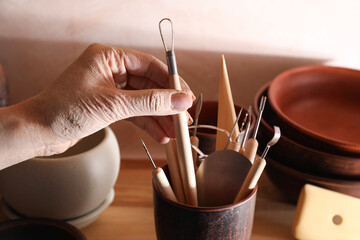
[(226, 109)]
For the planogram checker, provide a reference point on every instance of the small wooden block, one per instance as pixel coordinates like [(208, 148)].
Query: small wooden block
[(323, 214)]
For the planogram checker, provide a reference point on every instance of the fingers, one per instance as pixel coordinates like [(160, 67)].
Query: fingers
[(144, 65), (154, 102), (153, 127), (129, 68)]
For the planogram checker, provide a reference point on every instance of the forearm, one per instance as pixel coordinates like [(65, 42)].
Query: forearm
[(20, 134)]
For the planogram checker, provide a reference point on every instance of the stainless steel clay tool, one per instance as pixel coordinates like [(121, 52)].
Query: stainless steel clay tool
[(233, 147), (241, 135), (252, 144), (243, 141), (186, 164), (194, 139), (257, 168), (160, 178)]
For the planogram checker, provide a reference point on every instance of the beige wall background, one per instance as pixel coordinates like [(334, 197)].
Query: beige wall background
[(260, 38)]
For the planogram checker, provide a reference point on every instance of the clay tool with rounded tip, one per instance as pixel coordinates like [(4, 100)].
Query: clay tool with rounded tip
[(252, 144), (186, 164), (257, 168), (194, 140), (160, 178)]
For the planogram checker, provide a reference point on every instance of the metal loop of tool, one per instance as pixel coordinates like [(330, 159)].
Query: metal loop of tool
[(162, 36), (210, 127), (170, 54)]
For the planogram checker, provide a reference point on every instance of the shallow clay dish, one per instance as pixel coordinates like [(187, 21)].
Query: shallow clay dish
[(39, 229), (290, 181), (298, 156), (322, 103)]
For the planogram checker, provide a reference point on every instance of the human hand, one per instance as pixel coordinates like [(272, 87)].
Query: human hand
[(102, 86)]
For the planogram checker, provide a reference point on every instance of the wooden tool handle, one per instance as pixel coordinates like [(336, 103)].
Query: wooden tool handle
[(242, 150), (250, 149), (163, 184), (174, 170), (184, 150), (251, 179), (235, 146), (194, 141)]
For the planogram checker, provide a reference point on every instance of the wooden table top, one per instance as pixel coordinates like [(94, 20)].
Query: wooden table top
[(130, 216)]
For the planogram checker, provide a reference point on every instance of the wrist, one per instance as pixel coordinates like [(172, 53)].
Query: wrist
[(22, 130)]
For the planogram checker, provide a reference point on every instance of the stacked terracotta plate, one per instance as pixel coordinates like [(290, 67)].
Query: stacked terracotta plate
[(318, 111)]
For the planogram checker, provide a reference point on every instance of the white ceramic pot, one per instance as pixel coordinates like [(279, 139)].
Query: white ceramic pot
[(66, 185)]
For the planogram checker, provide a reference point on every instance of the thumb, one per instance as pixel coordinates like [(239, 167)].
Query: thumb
[(154, 102)]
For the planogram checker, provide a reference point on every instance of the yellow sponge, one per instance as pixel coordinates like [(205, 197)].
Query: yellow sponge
[(325, 214)]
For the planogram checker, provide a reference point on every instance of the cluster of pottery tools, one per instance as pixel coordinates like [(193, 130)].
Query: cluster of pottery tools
[(225, 176)]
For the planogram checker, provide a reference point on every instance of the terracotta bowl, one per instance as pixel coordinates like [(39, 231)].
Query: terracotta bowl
[(208, 116), (322, 104), (290, 181), (298, 156), (67, 185)]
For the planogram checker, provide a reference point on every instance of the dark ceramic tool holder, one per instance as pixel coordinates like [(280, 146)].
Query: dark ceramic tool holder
[(177, 221)]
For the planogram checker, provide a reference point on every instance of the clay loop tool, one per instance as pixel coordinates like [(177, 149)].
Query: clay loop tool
[(160, 178), (186, 165), (257, 168)]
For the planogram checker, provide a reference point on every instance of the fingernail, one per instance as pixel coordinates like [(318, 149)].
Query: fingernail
[(180, 101)]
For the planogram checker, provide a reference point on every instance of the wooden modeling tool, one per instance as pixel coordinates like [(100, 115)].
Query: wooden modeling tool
[(174, 170), (257, 168), (252, 144), (243, 141), (194, 139), (233, 145), (160, 178), (226, 110), (186, 164)]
